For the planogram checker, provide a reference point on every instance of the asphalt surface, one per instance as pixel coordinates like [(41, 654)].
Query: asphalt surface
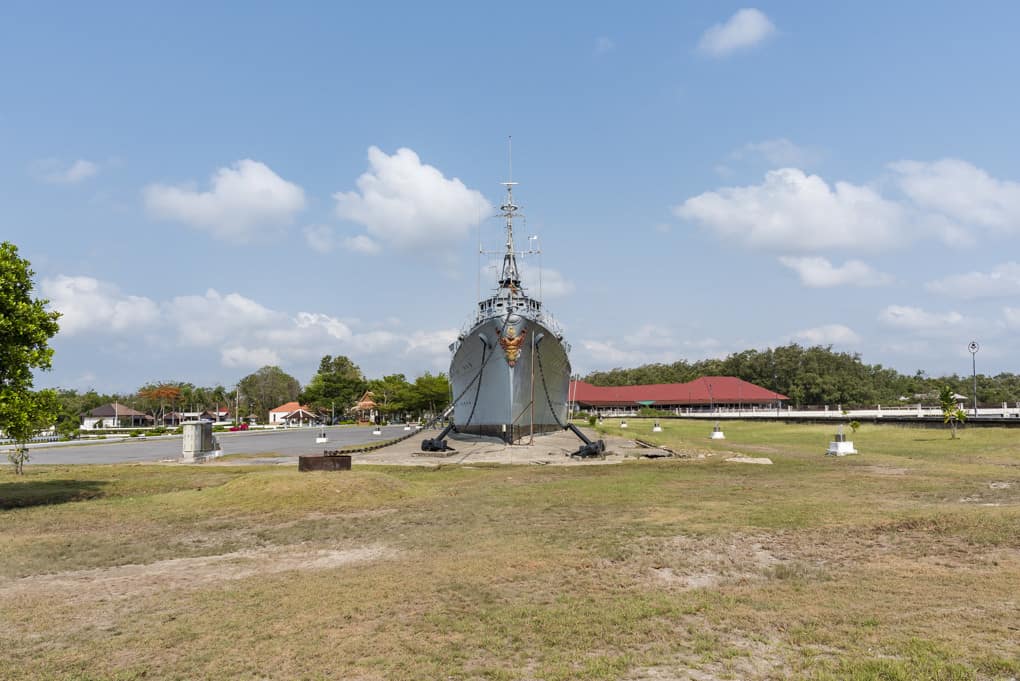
[(283, 443)]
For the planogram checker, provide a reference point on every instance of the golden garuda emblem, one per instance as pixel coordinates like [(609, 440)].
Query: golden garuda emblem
[(511, 344)]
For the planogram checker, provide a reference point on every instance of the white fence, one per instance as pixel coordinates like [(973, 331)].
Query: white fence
[(917, 411)]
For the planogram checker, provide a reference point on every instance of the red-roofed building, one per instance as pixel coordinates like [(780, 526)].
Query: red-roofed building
[(707, 392), (291, 412)]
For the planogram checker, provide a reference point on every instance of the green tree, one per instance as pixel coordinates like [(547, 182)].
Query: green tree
[(392, 393), (268, 387), (25, 330), (951, 411), (339, 381), (429, 393)]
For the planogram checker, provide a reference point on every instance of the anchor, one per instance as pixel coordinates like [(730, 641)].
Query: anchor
[(590, 449), (438, 443)]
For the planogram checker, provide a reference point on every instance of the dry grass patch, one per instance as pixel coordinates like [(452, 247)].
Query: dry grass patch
[(682, 569)]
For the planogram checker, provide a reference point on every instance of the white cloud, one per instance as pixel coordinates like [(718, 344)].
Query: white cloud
[(961, 192), (324, 239), (650, 336), (431, 342), (248, 358), (647, 343), (1003, 280), (87, 304), (829, 334), (779, 152), (214, 318), (409, 205), (56, 172), (604, 45), (362, 244), (746, 28), (244, 332), (1011, 316), (818, 272), (791, 210), (918, 319), (245, 200), (320, 238), (607, 353), (553, 283)]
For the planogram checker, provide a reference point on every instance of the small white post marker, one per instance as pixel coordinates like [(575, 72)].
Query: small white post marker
[(717, 433)]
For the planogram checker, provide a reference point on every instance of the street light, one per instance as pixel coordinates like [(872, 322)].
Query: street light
[(974, 347)]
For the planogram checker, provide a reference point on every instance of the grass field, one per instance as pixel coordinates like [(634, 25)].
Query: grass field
[(900, 563)]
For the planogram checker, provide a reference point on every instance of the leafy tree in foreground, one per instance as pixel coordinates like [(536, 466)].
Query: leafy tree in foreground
[(268, 387), (339, 381), (25, 330), (429, 394), (951, 411), (392, 393)]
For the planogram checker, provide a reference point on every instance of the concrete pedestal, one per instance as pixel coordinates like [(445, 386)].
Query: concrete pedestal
[(840, 446), (199, 443)]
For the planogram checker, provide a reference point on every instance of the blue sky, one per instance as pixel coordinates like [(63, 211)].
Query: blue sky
[(203, 189)]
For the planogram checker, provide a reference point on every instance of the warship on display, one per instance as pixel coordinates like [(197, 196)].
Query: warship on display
[(510, 370)]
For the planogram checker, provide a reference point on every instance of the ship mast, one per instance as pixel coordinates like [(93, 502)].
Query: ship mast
[(510, 278)]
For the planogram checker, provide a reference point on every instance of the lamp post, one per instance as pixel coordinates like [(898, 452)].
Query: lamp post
[(974, 347)]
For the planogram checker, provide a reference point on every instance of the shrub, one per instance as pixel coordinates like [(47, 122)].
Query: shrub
[(592, 419), (854, 425)]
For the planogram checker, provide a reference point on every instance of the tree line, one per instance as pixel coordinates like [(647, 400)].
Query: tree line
[(334, 389), (819, 375)]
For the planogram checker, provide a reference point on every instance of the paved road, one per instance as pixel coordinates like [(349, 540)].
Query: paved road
[(291, 442)]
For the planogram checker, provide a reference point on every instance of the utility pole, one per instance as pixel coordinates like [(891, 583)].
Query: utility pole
[(974, 347)]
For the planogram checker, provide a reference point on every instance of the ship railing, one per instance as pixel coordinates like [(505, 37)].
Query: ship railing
[(550, 323)]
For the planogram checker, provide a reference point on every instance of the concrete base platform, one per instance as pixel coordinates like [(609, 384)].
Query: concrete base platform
[(551, 448)]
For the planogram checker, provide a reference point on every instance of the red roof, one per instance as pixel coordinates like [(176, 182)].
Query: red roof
[(704, 390), (289, 407)]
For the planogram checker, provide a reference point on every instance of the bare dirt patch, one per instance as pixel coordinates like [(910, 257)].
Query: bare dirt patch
[(994, 493), (765, 449), (885, 470), (706, 562), (750, 459), (126, 581), (746, 659), (717, 562)]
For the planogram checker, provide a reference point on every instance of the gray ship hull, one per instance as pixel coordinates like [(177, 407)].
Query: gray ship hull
[(513, 388)]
